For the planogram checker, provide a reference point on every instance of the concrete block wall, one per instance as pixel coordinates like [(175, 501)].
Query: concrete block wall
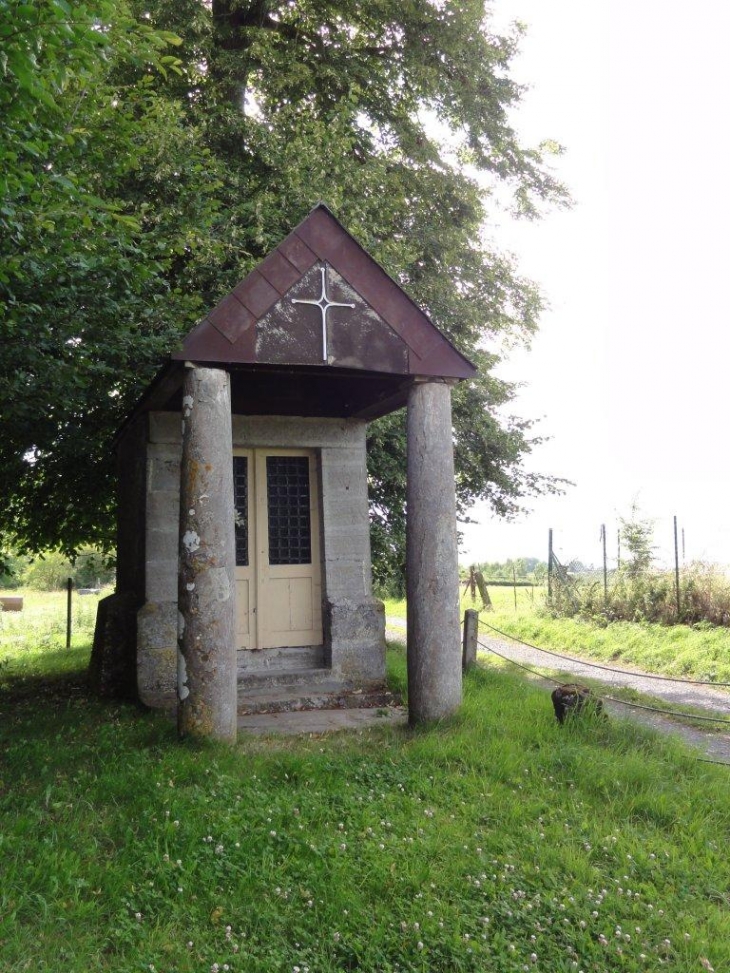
[(354, 626)]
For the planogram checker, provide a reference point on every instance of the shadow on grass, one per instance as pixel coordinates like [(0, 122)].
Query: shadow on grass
[(55, 674)]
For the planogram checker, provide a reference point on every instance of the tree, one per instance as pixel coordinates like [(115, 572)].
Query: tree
[(197, 172), (79, 294), (637, 536)]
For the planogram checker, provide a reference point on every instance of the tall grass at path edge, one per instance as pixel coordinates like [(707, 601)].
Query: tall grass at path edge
[(697, 652)]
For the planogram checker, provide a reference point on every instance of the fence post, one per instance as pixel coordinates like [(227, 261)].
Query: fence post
[(550, 564), (676, 569), (69, 587), (483, 591), (605, 565), (471, 634)]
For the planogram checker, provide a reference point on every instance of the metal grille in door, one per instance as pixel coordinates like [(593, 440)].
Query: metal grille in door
[(240, 500), (290, 531)]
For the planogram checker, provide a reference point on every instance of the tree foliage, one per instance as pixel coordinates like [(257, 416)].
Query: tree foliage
[(637, 538), (156, 152)]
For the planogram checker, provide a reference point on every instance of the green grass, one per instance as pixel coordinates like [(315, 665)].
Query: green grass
[(677, 650), (41, 625), (700, 652), (470, 846)]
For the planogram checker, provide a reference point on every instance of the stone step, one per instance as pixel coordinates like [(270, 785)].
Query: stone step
[(317, 696), (257, 680), (299, 657)]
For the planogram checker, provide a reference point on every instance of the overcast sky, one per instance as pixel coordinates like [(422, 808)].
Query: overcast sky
[(630, 369)]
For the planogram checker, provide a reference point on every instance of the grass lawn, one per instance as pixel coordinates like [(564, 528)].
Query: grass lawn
[(678, 650), (41, 625), (496, 841)]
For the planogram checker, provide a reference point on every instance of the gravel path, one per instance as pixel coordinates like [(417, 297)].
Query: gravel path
[(716, 746)]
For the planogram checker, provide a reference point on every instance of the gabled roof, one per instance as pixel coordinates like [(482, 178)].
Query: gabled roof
[(370, 323), (288, 357)]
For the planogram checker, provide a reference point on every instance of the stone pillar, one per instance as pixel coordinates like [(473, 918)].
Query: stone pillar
[(432, 576), (207, 671)]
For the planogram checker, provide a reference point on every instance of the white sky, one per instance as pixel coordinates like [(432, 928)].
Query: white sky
[(630, 367)]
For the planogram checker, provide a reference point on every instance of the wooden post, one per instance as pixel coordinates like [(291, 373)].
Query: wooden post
[(69, 589), (471, 636), (676, 572), (483, 591), (550, 565), (207, 672)]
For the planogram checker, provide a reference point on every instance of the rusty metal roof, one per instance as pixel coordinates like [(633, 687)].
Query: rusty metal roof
[(317, 329), (370, 323)]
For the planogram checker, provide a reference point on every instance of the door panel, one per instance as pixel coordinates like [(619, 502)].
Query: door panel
[(280, 590)]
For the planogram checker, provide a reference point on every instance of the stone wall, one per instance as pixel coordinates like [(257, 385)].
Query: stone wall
[(157, 619), (112, 670), (354, 639)]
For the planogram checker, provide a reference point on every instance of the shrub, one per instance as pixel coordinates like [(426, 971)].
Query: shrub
[(647, 597)]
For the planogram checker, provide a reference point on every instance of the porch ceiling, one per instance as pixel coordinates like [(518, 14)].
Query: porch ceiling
[(292, 391)]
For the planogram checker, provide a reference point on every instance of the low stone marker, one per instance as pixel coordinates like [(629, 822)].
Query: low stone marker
[(11, 603)]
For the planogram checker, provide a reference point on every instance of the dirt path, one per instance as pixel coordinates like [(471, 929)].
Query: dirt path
[(716, 746)]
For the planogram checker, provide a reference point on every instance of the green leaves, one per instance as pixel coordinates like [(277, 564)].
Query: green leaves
[(153, 153)]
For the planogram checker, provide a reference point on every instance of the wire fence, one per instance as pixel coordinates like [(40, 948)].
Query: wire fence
[(634, 579), (598, 665), (605, 696)]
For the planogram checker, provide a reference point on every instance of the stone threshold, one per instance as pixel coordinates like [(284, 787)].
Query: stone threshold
[(321, 721)]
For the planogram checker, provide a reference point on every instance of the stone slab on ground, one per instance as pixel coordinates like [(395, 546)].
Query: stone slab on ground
[(321, 721)]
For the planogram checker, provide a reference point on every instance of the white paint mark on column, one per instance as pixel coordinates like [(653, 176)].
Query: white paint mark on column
[(180, 625), (182, 677), (190, 586), (191, 512), (187, 405), (191, 541)]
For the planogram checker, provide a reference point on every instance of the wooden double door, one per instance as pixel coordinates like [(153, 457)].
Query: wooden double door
[(278, 569)]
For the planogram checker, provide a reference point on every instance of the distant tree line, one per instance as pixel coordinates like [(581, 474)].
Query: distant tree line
[(522, 568), (50, 571)]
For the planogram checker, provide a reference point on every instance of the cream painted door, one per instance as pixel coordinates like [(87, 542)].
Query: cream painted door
[(244, 498), (278, 573)]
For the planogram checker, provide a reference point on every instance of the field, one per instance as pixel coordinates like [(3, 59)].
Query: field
[(493, 841), (29, 638)]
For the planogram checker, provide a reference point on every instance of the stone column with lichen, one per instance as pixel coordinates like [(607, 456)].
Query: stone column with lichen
[(207, 672), (432, 574)]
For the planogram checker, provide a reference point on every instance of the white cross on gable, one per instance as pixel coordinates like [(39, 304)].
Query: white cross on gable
[(324, 304)]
